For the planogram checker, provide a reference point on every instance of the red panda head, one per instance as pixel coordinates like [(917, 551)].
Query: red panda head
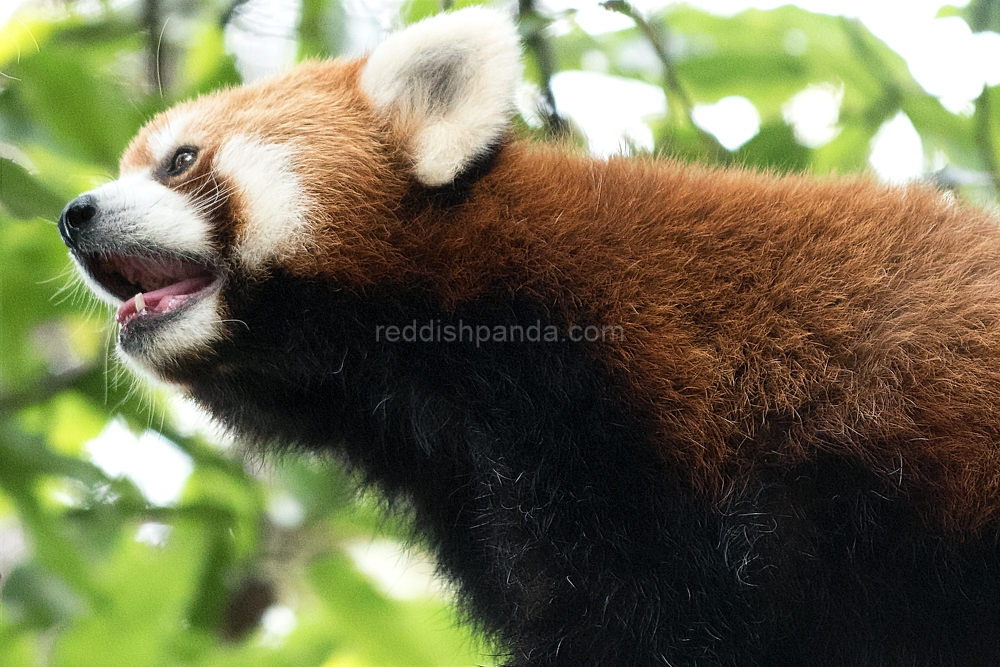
[(301, 173)]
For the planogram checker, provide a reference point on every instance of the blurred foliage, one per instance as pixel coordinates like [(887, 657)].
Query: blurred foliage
[(75, 85)]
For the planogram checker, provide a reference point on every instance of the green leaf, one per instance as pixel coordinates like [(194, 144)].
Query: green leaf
[(24, 197), (321, 29), (66, 93), (147, 592), (17, 648), (947, 11), (767, 56), (775, 148), (983, 15), (941, 130), (847, 153), (386, 632), (417, 10), (37, 599), (26, 462), (206, 66)]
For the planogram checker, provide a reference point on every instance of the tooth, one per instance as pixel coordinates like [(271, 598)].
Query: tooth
[(140, 303)]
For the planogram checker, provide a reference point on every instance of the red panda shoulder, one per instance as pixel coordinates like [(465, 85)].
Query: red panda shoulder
[(745, 300)]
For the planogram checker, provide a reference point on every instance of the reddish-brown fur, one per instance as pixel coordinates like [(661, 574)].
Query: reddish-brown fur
[(834, 315), (859, 319)]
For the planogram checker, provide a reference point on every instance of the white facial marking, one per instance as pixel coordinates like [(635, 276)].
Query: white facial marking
[(198, 329), (139, 210), (274, 204), (139, 213), (170, 136)]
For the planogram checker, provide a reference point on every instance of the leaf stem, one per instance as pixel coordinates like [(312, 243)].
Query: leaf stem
[(672, 86), (533, 27)]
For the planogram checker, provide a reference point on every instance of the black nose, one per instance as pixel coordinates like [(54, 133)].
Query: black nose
[(78, 214)]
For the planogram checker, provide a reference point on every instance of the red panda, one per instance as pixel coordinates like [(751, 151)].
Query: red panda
[(645, 413)]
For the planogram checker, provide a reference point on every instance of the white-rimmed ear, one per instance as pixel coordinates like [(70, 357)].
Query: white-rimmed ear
[(449, 82)]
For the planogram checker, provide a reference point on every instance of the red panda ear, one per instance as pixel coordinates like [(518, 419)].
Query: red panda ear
[(449, 83)]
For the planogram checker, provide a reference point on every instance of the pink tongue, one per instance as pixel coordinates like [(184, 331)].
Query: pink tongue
[(164, 299)]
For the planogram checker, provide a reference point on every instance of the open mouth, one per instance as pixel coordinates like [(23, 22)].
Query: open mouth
[(150, 286)]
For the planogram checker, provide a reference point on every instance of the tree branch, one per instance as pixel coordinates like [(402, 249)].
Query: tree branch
[(45, 389), (150, 20), (661, 45), (672, 86), (533, 27)]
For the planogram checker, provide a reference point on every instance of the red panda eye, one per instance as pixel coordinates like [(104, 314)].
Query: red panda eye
[(182, 160)]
